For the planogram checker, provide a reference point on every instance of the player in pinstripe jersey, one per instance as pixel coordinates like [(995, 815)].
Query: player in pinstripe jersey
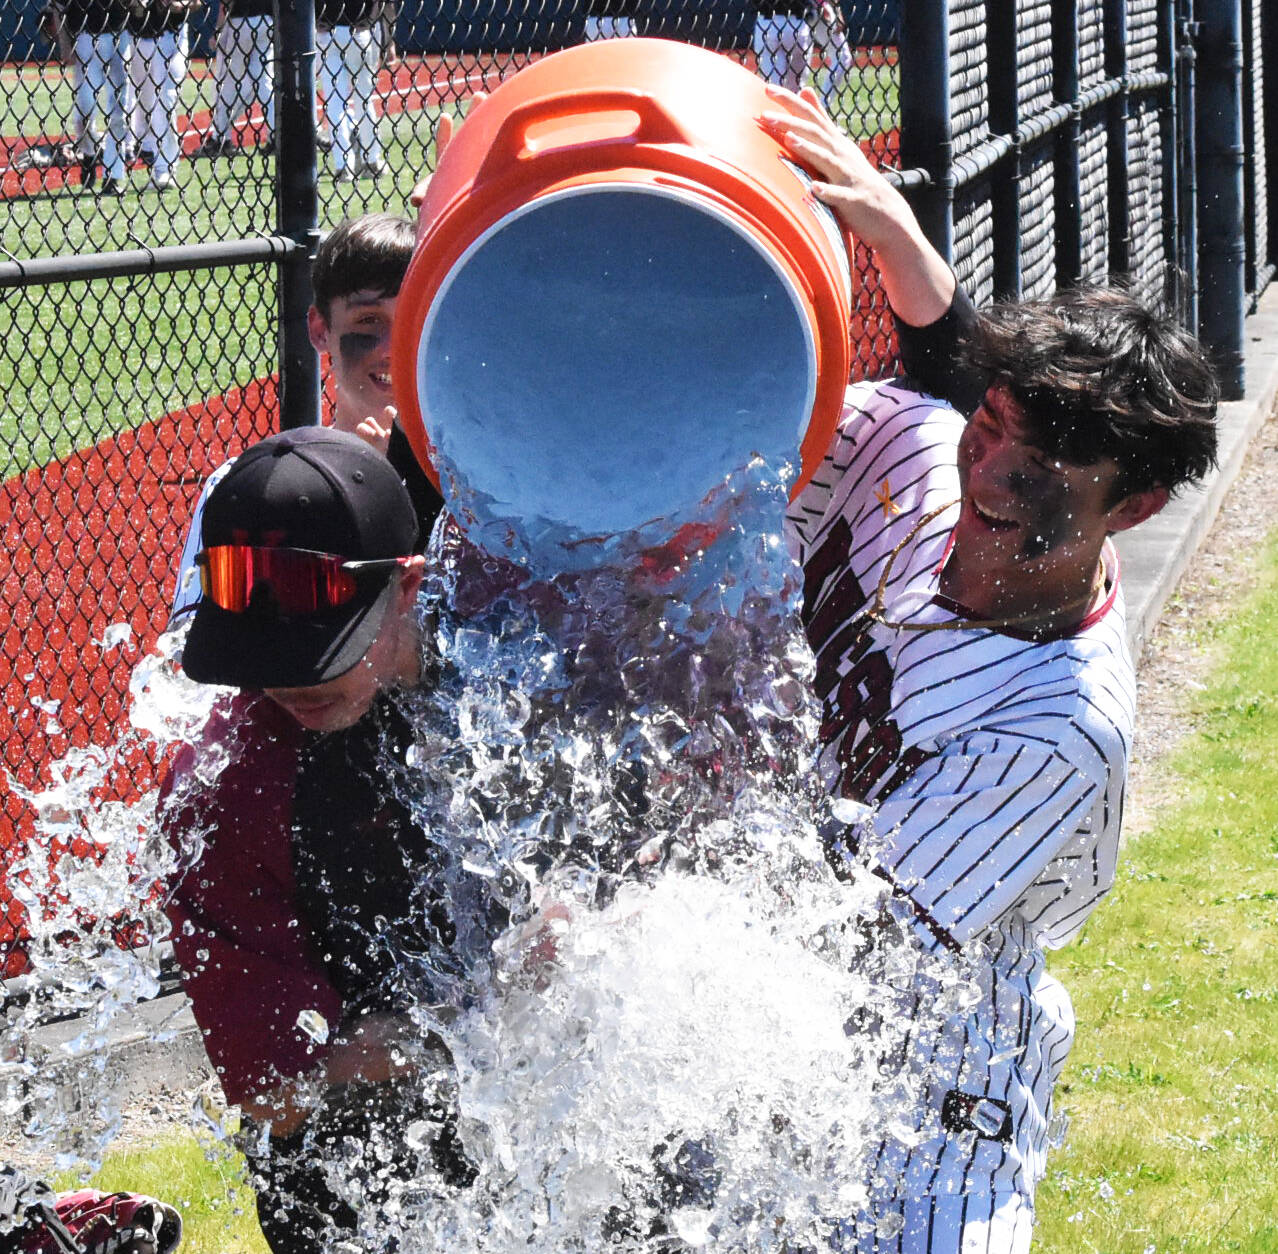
[(962, 600)]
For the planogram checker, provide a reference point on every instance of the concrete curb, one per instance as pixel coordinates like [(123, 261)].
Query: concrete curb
[(1155, 554), (159, 1046), (156, 1046)]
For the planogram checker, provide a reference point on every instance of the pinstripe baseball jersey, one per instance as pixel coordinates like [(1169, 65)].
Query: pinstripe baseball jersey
[(996, 765)]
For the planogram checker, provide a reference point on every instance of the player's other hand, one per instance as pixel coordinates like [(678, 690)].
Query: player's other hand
[(376, 431), (444, 131)]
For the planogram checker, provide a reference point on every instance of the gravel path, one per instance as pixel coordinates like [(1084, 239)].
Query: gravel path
[(1173, 664)]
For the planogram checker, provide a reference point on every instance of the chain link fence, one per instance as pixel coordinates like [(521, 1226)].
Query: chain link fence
[(160, 210)]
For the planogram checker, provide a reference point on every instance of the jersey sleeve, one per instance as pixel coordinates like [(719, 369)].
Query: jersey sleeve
[(971, 830), (186, 595), (932, 359), (245, 962)]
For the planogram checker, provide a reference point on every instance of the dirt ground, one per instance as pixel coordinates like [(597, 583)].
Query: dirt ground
[(1173, 664), (1219, 575)]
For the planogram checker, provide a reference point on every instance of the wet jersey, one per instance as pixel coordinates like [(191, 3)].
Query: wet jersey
[(996, 765)]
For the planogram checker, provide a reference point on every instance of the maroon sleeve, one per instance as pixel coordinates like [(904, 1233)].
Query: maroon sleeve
[(247, 963)]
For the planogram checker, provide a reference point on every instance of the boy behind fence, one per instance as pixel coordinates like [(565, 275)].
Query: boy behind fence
[(356, 279)]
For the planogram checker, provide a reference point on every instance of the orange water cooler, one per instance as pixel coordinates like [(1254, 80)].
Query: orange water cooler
[(622, 291)]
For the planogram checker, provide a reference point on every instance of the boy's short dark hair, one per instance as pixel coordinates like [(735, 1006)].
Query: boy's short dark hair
[(368, 254), (1099, 374)]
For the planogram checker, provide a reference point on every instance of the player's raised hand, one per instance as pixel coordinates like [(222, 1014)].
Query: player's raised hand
[(376, 432), (445, 128), (919, 282)]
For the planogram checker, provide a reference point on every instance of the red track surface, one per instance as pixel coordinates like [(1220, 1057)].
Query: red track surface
[(86, 542)]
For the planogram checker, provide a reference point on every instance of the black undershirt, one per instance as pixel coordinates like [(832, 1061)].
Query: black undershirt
[(427, 502), (932, 357), (368, 877)]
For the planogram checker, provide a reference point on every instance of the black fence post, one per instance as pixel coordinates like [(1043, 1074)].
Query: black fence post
[(927, 141), (1223, 245), (1269, 41), (1169, 127), (1068, 156), (1005, 119), (297, 206), (1187, 132), (1120, 218)]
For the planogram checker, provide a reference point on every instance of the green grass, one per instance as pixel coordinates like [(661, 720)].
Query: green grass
[(869, 102), (1172, 1087), (204, 1181), (105, 356)]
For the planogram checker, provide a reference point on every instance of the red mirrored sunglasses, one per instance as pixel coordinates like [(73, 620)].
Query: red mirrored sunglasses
[(299, 581)]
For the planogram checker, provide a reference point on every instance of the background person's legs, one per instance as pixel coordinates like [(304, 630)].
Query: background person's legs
[(363, 58), (782, 45), (82, 132), (335, 83), (89, 81), (119, 102), (228, 74), (144, 69), (259, 33), (157, 71)]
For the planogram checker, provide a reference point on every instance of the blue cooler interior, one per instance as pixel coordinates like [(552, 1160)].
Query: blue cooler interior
[(603, 357)]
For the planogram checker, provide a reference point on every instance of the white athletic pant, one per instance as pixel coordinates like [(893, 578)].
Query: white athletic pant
[(244, 72), (608, 28), (782, 46), (83, 131), (104, 66), (156, 71), (831, 41), (348, 61), (972, 1224)]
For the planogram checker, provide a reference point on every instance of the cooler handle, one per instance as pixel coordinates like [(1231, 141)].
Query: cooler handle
[(656, 125)]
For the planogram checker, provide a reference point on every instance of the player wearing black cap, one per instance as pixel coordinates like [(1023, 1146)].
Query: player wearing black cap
[(356, 279), (303, 928)]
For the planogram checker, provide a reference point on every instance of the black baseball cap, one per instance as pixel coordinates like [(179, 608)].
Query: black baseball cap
[(309, 488)]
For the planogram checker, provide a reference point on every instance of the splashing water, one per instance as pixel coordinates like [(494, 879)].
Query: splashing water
[(91, 880), (666, 1048), (688, 1027)]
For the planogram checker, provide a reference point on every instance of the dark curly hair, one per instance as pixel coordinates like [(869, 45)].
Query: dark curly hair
[(367, 254), (1098, 374)]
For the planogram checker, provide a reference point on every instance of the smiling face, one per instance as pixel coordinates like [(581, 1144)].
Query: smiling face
[(357, 335), (1018, 501), (1031, 525)]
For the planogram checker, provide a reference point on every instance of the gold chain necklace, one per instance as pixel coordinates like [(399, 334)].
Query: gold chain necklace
[(876, 612)]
